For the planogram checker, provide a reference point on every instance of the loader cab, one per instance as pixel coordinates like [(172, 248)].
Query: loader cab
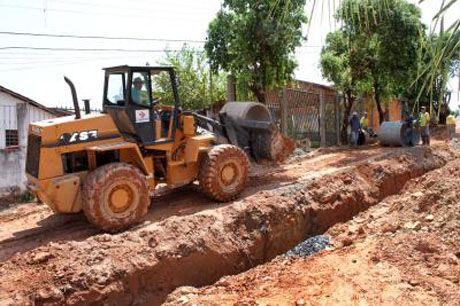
[(131, 97)]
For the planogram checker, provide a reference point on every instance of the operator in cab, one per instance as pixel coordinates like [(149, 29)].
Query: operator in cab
[(138, 92)]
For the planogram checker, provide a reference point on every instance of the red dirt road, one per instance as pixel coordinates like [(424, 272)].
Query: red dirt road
[(189, 240), (404, 250), (31, 225)]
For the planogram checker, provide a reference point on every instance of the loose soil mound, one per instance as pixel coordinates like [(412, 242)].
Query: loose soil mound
[(404, 250), (282, 147), (143, 265)]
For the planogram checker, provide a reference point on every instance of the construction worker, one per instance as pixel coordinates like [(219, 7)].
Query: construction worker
[(139, 92), (451, 122), (355, 126), (365, 125), (409, 130), (364, 122), (424, 122), (136, 90)]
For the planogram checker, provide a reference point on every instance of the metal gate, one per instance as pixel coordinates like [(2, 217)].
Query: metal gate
[(299, 114), (302, 118)]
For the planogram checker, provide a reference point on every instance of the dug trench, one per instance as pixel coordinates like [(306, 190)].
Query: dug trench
[(144, 265)]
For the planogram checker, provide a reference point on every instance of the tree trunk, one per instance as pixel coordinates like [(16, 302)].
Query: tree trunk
[(348, 102), (378, 103), (259, 93)]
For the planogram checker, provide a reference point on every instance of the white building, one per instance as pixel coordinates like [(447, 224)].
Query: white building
[(16, 112)]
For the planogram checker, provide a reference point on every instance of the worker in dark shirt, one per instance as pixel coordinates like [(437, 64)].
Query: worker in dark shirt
[(409, 130), (355, 126)]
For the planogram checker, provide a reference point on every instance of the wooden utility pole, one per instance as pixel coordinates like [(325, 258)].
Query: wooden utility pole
[(322, 118), (231, 88), (337, 118), (284, 112)]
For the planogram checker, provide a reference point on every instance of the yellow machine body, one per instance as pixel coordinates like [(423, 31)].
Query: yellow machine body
[(64, 150)]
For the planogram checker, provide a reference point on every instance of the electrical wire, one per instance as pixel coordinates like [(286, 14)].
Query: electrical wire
[(91, 49), (99, 37), (102, 37)]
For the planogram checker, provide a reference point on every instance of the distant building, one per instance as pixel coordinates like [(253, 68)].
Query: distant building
[(61, 112), (16, 112)]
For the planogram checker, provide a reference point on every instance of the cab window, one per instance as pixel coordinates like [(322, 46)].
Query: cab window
[(161, 87), (116, 93)]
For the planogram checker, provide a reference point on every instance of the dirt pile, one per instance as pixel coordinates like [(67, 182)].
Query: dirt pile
[(404, 250), (146, 263), (281, 147)]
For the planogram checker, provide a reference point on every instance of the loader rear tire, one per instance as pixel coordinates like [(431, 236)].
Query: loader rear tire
[(224, 172), (115, 196)]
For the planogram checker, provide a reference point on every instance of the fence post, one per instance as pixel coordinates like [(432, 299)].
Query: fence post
[(337, 118), (322, 118), (284, 112), (231, 88)]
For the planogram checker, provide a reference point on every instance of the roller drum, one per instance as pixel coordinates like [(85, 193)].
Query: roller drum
[(392, 133)]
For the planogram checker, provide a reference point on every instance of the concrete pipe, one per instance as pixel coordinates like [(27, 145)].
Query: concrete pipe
[(245, 112), (250, 126), (392, 133)]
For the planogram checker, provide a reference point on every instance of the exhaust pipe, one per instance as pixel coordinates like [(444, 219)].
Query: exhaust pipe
[(87, 109), (74, 97)]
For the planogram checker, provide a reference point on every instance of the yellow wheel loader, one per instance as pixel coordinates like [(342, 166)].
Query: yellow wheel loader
[(108, 165)]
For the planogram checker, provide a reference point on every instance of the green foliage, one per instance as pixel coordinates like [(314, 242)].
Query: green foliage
[(255, 40), (25, 197), (430, 86), (339, 66), (192, 72), (456, 112), (386, 39)]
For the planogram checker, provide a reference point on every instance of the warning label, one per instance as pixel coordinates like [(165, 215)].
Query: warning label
[(142, 115)]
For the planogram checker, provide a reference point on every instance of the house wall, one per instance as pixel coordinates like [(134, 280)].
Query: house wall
[(15, 114), (393, 113)]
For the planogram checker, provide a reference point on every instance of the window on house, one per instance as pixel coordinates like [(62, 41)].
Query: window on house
[(11, 138)]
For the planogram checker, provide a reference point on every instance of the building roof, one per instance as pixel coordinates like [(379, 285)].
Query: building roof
[(124, 68), (62, 112), (317, 85), (27, 100)]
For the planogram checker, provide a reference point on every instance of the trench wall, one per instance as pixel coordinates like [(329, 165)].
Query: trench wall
[(142, 266)]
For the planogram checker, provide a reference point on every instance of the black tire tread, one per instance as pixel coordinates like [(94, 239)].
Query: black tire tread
[(209, 167), (93, 185)]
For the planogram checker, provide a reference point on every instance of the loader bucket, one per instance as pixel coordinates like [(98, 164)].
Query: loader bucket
[(249, 125)]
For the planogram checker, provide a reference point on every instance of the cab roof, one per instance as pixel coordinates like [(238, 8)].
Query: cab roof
[(126, 68)]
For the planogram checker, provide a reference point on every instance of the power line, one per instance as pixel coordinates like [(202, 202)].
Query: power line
[(99, 37), (77, 36), (91, 49), (8, 61), (40, 65)]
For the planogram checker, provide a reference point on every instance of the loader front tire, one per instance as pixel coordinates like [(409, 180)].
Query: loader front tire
[(224, 172), (115, 196)]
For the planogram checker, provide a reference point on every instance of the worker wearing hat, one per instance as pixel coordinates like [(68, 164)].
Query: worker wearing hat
[(355, 126), (364, 122), (451, 123), (424, 121), (136, 91)]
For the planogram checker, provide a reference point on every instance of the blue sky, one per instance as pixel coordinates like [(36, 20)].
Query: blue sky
[(38, 74)]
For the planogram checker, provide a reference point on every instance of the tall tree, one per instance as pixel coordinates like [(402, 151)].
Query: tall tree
[(430, 86), (193, 73), (255, 40), (339, 67), (392, 32)]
